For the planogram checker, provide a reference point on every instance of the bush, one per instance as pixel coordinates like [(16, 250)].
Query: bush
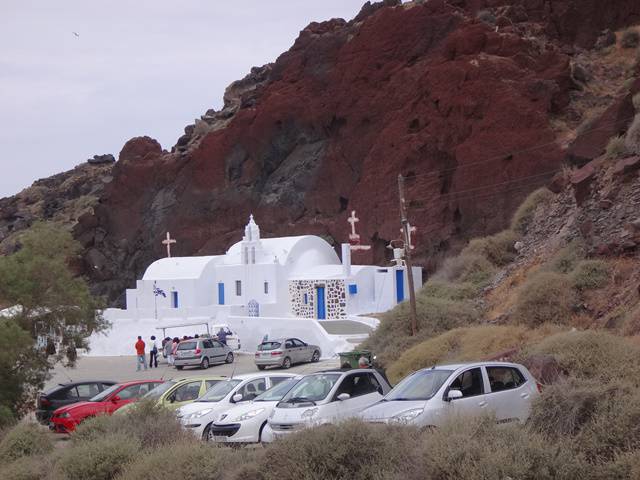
[(616, 147), (151, 425), (591, 354), (101, 459), (526, 211), (498, 249), (471, 268), (590, 274), (630, 38), (7, 419), (25, 440), (566, 259), (352, 450), (463, 345), (449, 290), (199, 461), (632, 139), (26, 468), (544, 297)]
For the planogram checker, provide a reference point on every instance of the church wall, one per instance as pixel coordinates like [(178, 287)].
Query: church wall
[(335, 298)]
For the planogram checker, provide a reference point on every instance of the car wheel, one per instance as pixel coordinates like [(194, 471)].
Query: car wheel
[(261, 367), (205, 363), (207, 435), (178, 367), (316, 356), (229, 358), (260, 432), (286, 363)]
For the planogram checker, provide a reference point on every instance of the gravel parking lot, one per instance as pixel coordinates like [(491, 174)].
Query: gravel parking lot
[(124, 368)]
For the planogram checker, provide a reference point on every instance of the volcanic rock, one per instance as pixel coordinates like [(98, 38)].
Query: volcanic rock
[(98, 159)]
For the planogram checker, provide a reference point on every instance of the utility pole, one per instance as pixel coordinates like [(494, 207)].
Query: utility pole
[(407, 256)]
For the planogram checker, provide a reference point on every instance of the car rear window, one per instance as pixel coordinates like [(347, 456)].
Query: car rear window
[(187, 346), (269, 345)]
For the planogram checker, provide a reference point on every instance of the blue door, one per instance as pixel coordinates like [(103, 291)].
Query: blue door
[(174, 299), (399, 285), (322, 314), (221, 294)]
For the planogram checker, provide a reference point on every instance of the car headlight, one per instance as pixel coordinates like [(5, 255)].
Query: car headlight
[(248, 415), (309, 412), (198, 414), (407, 415)]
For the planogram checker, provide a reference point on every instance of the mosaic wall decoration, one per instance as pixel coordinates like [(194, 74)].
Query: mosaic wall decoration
[(335, 298), (253, 309)]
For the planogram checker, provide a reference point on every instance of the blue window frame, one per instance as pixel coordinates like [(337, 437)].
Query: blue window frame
[(305, 299), (353, 289), (220, 293), (174, 299)]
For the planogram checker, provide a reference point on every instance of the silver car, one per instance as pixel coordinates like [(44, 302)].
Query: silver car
[(202, 352), (284, 352)]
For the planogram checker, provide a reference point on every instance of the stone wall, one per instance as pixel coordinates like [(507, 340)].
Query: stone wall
[(335, 298)]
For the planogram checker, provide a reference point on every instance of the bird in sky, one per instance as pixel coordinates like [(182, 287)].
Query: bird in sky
[(76, 34)]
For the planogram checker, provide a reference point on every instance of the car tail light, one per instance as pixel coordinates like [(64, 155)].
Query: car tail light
[(275, 354), (44, 402), (257, 355), (198, 351)]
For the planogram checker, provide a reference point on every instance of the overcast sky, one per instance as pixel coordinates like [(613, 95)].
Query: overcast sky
[(138, 67)]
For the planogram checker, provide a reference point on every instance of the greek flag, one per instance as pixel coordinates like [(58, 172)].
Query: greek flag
[(158, 291)]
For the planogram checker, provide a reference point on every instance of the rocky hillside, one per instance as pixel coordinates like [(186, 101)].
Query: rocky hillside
[(476, 102)]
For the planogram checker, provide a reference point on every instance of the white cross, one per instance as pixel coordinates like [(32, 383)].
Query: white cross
[(411, 229), (168, 243), (354, 238)]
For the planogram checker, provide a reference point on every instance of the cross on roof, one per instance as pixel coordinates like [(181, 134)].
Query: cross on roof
[(354, 238), (168, 241), (412, 229)]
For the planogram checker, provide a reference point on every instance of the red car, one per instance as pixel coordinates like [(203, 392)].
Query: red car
[(65, 419)]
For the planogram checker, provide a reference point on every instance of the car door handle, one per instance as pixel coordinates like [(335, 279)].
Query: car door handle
[(482, 403), (524, 395)]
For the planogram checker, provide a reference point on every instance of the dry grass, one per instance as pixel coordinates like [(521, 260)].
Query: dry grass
[(467, 267), (465, 344), (498, 249), (545, 297), (590, 274), (632, 138), (24, 440), (616, 147), (526, 211), (101, 459)]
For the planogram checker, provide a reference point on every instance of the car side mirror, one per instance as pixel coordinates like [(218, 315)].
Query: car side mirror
[(453, 394), (343, 396), (115, 398), (237, 397), (172, 398)]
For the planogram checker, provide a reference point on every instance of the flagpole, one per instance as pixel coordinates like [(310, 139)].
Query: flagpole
[(155, 301)]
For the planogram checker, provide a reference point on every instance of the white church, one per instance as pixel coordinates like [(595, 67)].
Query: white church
[(286, 286)]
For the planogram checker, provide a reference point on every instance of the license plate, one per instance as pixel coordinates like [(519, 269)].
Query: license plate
[(265, 354)]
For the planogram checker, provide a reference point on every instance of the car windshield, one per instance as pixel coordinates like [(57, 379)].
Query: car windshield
[(421, 385), (276, 393), (219, 391), (187, 346), (157, 392), (269, 345), (104, 394), (311, 389)]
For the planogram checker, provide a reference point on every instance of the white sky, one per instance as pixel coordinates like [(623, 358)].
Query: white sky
[(139, 67)]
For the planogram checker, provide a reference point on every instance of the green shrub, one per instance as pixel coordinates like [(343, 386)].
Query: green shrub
[(498, 249), (471, 268), (616, 147), (592, 354), (192, 461), (630, 38), (352, 450), (632, 138), (590, 274), (544, 297), (101, 459), (24, 440), (26, 468), (462, 345), (566, 259), (525, 212), (449, 290), (151, 425)]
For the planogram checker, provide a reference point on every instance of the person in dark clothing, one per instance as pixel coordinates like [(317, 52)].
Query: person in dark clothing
[(153, 352), (222, 336)]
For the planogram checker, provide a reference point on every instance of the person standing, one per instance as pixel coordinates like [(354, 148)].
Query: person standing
[(222, 336), (174, 349), (168, 344), (140, 346), (153, 352)]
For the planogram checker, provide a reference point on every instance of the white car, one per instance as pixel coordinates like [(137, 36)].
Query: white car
[(245, 423), (326, 397), (431, 395), (199, 416)]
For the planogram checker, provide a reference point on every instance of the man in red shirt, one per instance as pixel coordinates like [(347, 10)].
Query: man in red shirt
[(140, 353)]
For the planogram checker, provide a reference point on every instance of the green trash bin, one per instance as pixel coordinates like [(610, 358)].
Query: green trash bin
[(353, 357)]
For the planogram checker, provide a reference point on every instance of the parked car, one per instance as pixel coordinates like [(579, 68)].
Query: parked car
[(202, 352), (65, 419), (284, 352), (66, 394), (326, 397), (199, 416), (431, 395), (245, 423), (176, 393)]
